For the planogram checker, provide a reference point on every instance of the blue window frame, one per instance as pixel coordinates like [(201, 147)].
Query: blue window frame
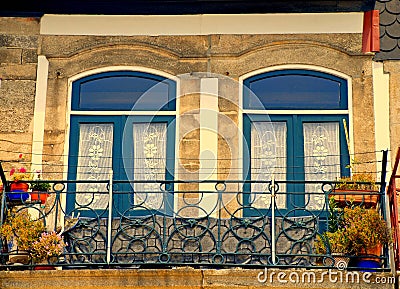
[(300, 142), (295, 89), (124, 90), (122, 142)]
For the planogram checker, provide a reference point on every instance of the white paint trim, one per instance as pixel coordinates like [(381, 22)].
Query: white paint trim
[(294, 66), (39, 113), (349, 111), (177, 140), (123, 112), (381, 111), (205, 24), (120, 68), (208, 156), (308, 112)]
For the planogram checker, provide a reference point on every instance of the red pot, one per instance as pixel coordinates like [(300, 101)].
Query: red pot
[(37, 195), (19, 187)]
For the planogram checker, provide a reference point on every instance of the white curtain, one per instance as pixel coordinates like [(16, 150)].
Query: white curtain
[(149, 145), (268, 157), (321, 159), (94, 163)]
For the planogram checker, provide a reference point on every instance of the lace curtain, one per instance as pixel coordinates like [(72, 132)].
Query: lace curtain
[(149, 146), (268, 157), (94, 163), (321, 159)]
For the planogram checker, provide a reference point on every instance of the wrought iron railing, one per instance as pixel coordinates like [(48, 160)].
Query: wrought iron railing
[(220, 223)]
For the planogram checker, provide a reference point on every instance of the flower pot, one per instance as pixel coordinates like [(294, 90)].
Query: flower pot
[(345, 197), (370, 262), (15, 255), (22, 257), (19, 187), (18, 192), (39, 196), (368, 265), (341, 261)]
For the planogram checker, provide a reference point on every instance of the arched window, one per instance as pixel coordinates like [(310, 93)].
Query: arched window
[(295, 126), (114, 126)]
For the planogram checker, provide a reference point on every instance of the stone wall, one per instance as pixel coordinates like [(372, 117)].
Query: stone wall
[(228, 55), (393, 69), (184, 277), (19, 42)]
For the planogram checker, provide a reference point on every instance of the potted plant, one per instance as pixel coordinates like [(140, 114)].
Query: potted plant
[(40, 190), (336, 244), (20, 232), (47, 249), (358, 189), (19, 186), (367, 232)]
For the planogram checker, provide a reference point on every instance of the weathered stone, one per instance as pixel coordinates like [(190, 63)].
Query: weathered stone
[(18, 72), (16, 105), (20, 41), (180, 46), (10, 55), (19, 25), (29, 56)]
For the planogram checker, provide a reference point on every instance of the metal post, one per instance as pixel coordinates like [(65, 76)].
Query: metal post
[(3, 195), (109, 224), (273, 242), (383, 170)]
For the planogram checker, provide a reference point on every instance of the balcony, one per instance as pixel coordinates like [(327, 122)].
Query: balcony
[(201, 224)]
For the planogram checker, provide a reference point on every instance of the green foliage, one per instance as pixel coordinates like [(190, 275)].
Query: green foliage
[(20, 228), (40, 186), (365, 229), (358, 181), (29, 235), (337, 242), (335, 217), (352, 230)]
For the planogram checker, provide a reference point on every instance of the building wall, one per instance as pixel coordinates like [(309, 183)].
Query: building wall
[(226, 54), (392, 68), (233, 55), (189, 278), (19, 42)]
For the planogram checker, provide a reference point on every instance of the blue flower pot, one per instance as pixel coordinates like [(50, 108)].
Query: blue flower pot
[(17, 196), (368, 265)]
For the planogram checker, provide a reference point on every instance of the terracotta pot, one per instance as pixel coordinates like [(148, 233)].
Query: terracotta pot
[(344, 197), (341, 261), (19, 187), (38, 195), (375, 251)]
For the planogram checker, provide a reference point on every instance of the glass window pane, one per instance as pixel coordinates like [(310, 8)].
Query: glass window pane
[(296, 90), (321, 159), (125, 92), (268, 157), (94, 163), (149, 145)]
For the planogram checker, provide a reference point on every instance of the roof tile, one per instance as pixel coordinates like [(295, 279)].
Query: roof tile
[(389, 26)]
